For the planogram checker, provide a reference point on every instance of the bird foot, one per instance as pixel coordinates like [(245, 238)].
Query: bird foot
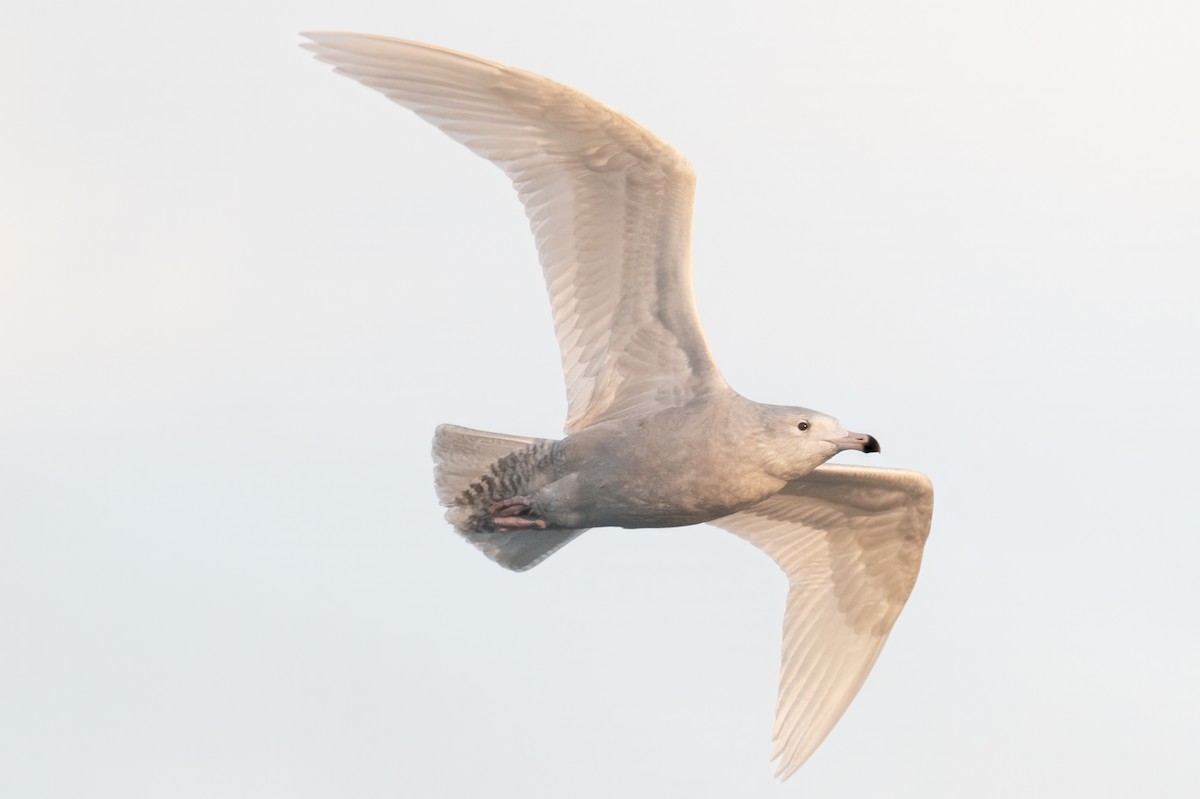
[(513, 514)]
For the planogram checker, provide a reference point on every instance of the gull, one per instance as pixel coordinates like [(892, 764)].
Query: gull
[(655, 436)]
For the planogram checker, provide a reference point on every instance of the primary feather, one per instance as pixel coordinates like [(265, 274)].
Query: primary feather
[(610, 206)]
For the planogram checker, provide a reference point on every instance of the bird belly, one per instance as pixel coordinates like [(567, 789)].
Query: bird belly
[(660, 496)]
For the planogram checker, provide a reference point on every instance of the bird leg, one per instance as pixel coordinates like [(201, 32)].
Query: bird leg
[(513, 514)]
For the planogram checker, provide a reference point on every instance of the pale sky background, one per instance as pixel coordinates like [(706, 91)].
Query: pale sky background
[(237, 293)]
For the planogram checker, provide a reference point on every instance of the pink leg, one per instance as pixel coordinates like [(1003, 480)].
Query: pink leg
[(518, 523), (514, 506), (513, 514)]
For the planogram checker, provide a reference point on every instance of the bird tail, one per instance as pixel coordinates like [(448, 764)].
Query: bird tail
[(472, 470)]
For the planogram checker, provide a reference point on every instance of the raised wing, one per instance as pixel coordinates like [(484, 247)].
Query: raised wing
[(610, 206), (850, 540)]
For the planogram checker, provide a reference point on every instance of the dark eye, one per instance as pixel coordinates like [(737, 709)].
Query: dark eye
[(802, 426)]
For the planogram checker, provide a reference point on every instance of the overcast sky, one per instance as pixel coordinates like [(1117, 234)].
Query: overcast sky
[(237, 293)]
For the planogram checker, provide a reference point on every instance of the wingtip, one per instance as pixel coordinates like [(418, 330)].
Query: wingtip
[(783, 775), (314, 38), (317, 42), (785, 767), (329, 39), (317, 36)]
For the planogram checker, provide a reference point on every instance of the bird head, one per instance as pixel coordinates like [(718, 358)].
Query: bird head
[(799, 440)]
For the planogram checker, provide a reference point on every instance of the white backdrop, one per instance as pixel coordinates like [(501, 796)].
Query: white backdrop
[(237, 293)]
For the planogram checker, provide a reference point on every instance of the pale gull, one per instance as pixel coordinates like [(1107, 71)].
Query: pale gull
[(655, 436)]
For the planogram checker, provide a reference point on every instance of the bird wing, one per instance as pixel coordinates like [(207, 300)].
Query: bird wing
[(610, 206), (850, 540)]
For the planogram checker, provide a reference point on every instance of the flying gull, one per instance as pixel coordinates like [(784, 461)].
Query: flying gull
[(655, 436)]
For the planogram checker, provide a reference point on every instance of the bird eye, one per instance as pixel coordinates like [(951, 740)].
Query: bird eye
[(802, 426)]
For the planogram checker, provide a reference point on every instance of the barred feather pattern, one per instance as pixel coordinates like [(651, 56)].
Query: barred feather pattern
[(517, 473), (474, 469)]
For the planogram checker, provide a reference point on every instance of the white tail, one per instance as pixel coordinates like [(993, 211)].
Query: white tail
[(472, 470)]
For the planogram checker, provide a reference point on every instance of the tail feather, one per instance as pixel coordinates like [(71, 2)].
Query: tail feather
[(472, 470)]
